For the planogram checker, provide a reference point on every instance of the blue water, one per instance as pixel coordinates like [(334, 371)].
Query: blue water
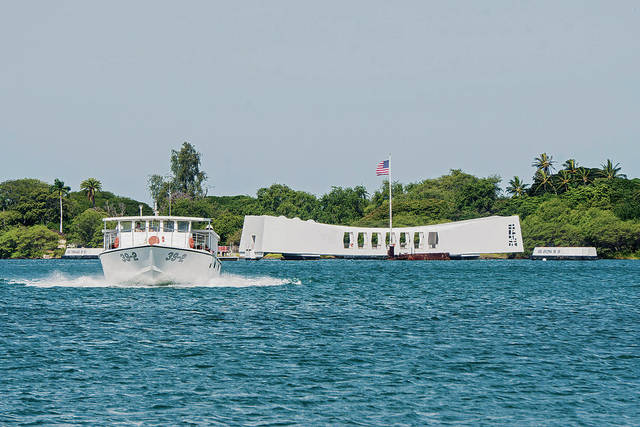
[(324, 342)]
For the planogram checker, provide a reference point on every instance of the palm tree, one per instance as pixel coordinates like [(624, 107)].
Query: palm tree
[(544, 180), (584, 175), (610, 171), (90, 186), (570, 166), (61, 190), (564, 179), (543, 162), (516, 187)]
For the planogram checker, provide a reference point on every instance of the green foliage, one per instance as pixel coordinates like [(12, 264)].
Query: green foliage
[(408, 212), (516, 187), (27, 242), (561, 222), (185, 167), (113, 205), (342, 205), (86, 228), (9, 218), (186, 180), (467, 196), (59, 189), (238, 205), (611, 171), (189, 207), (228, 225), (596, 196), (543, 163), (234, 238), (33, 200), (11, 192), (543, 183), (282, 200), (90, 186), (382, 195)]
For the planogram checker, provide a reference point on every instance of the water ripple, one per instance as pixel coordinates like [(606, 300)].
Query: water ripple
[(326, 342)]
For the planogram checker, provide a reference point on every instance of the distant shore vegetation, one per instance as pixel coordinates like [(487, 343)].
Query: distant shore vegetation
[(564, 204)]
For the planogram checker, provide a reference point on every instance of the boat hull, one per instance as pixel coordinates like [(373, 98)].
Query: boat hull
[(158, 264)]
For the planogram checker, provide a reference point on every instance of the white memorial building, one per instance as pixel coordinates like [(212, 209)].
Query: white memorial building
[(298, 239)]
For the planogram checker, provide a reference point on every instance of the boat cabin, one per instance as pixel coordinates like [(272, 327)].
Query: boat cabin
[(168, 231)]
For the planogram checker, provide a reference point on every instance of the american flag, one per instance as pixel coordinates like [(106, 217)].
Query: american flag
[(383, 168)]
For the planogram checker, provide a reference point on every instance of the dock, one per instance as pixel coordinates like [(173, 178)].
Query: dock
[(82, 253), (564, 253)]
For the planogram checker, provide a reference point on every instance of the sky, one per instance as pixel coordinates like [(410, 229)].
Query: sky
[(315, 94)]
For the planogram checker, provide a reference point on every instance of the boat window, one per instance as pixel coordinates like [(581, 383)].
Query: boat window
[(154, 225), (167, 226), (183, 226), (140, 226), (125, 227), (403, 240), (386, 238), (374, 240), (361, 239)]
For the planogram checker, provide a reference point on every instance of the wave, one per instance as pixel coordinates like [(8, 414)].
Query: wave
[(224, 280)]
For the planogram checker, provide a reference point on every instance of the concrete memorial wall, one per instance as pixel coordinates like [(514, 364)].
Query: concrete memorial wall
[(268, 234)]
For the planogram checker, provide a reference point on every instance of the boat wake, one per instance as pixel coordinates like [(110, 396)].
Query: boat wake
[(224, 280)]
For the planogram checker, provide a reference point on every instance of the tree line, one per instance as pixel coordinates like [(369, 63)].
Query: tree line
[(573, 206), (569, 176)]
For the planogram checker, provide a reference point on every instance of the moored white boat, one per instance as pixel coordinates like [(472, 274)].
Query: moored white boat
[(159, 249)]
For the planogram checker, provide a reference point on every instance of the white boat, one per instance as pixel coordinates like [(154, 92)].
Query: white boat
[(159, 249)]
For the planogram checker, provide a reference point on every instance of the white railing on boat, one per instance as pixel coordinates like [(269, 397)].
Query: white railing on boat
[(173, 232)]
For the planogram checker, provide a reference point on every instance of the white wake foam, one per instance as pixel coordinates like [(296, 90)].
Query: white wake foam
[(224, 280)]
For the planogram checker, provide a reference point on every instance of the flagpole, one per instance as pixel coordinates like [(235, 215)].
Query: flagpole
[(390, 210)]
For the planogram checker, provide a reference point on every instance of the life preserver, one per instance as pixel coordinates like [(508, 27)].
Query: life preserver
[(153, 240), (116, 243), (192, 244)]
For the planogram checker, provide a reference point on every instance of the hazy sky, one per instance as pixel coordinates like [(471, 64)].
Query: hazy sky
[(314, 94)]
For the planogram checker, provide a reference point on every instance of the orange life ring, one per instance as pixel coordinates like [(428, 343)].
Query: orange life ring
[(191, 243), (153, 240), (116, 243)]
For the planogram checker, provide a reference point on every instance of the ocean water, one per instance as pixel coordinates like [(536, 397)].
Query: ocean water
[(331, 342)]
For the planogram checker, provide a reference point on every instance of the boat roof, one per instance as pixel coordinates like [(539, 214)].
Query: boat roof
[(156, 218)]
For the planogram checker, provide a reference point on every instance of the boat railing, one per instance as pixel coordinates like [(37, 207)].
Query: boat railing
[(111, 240), (202, 240)]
